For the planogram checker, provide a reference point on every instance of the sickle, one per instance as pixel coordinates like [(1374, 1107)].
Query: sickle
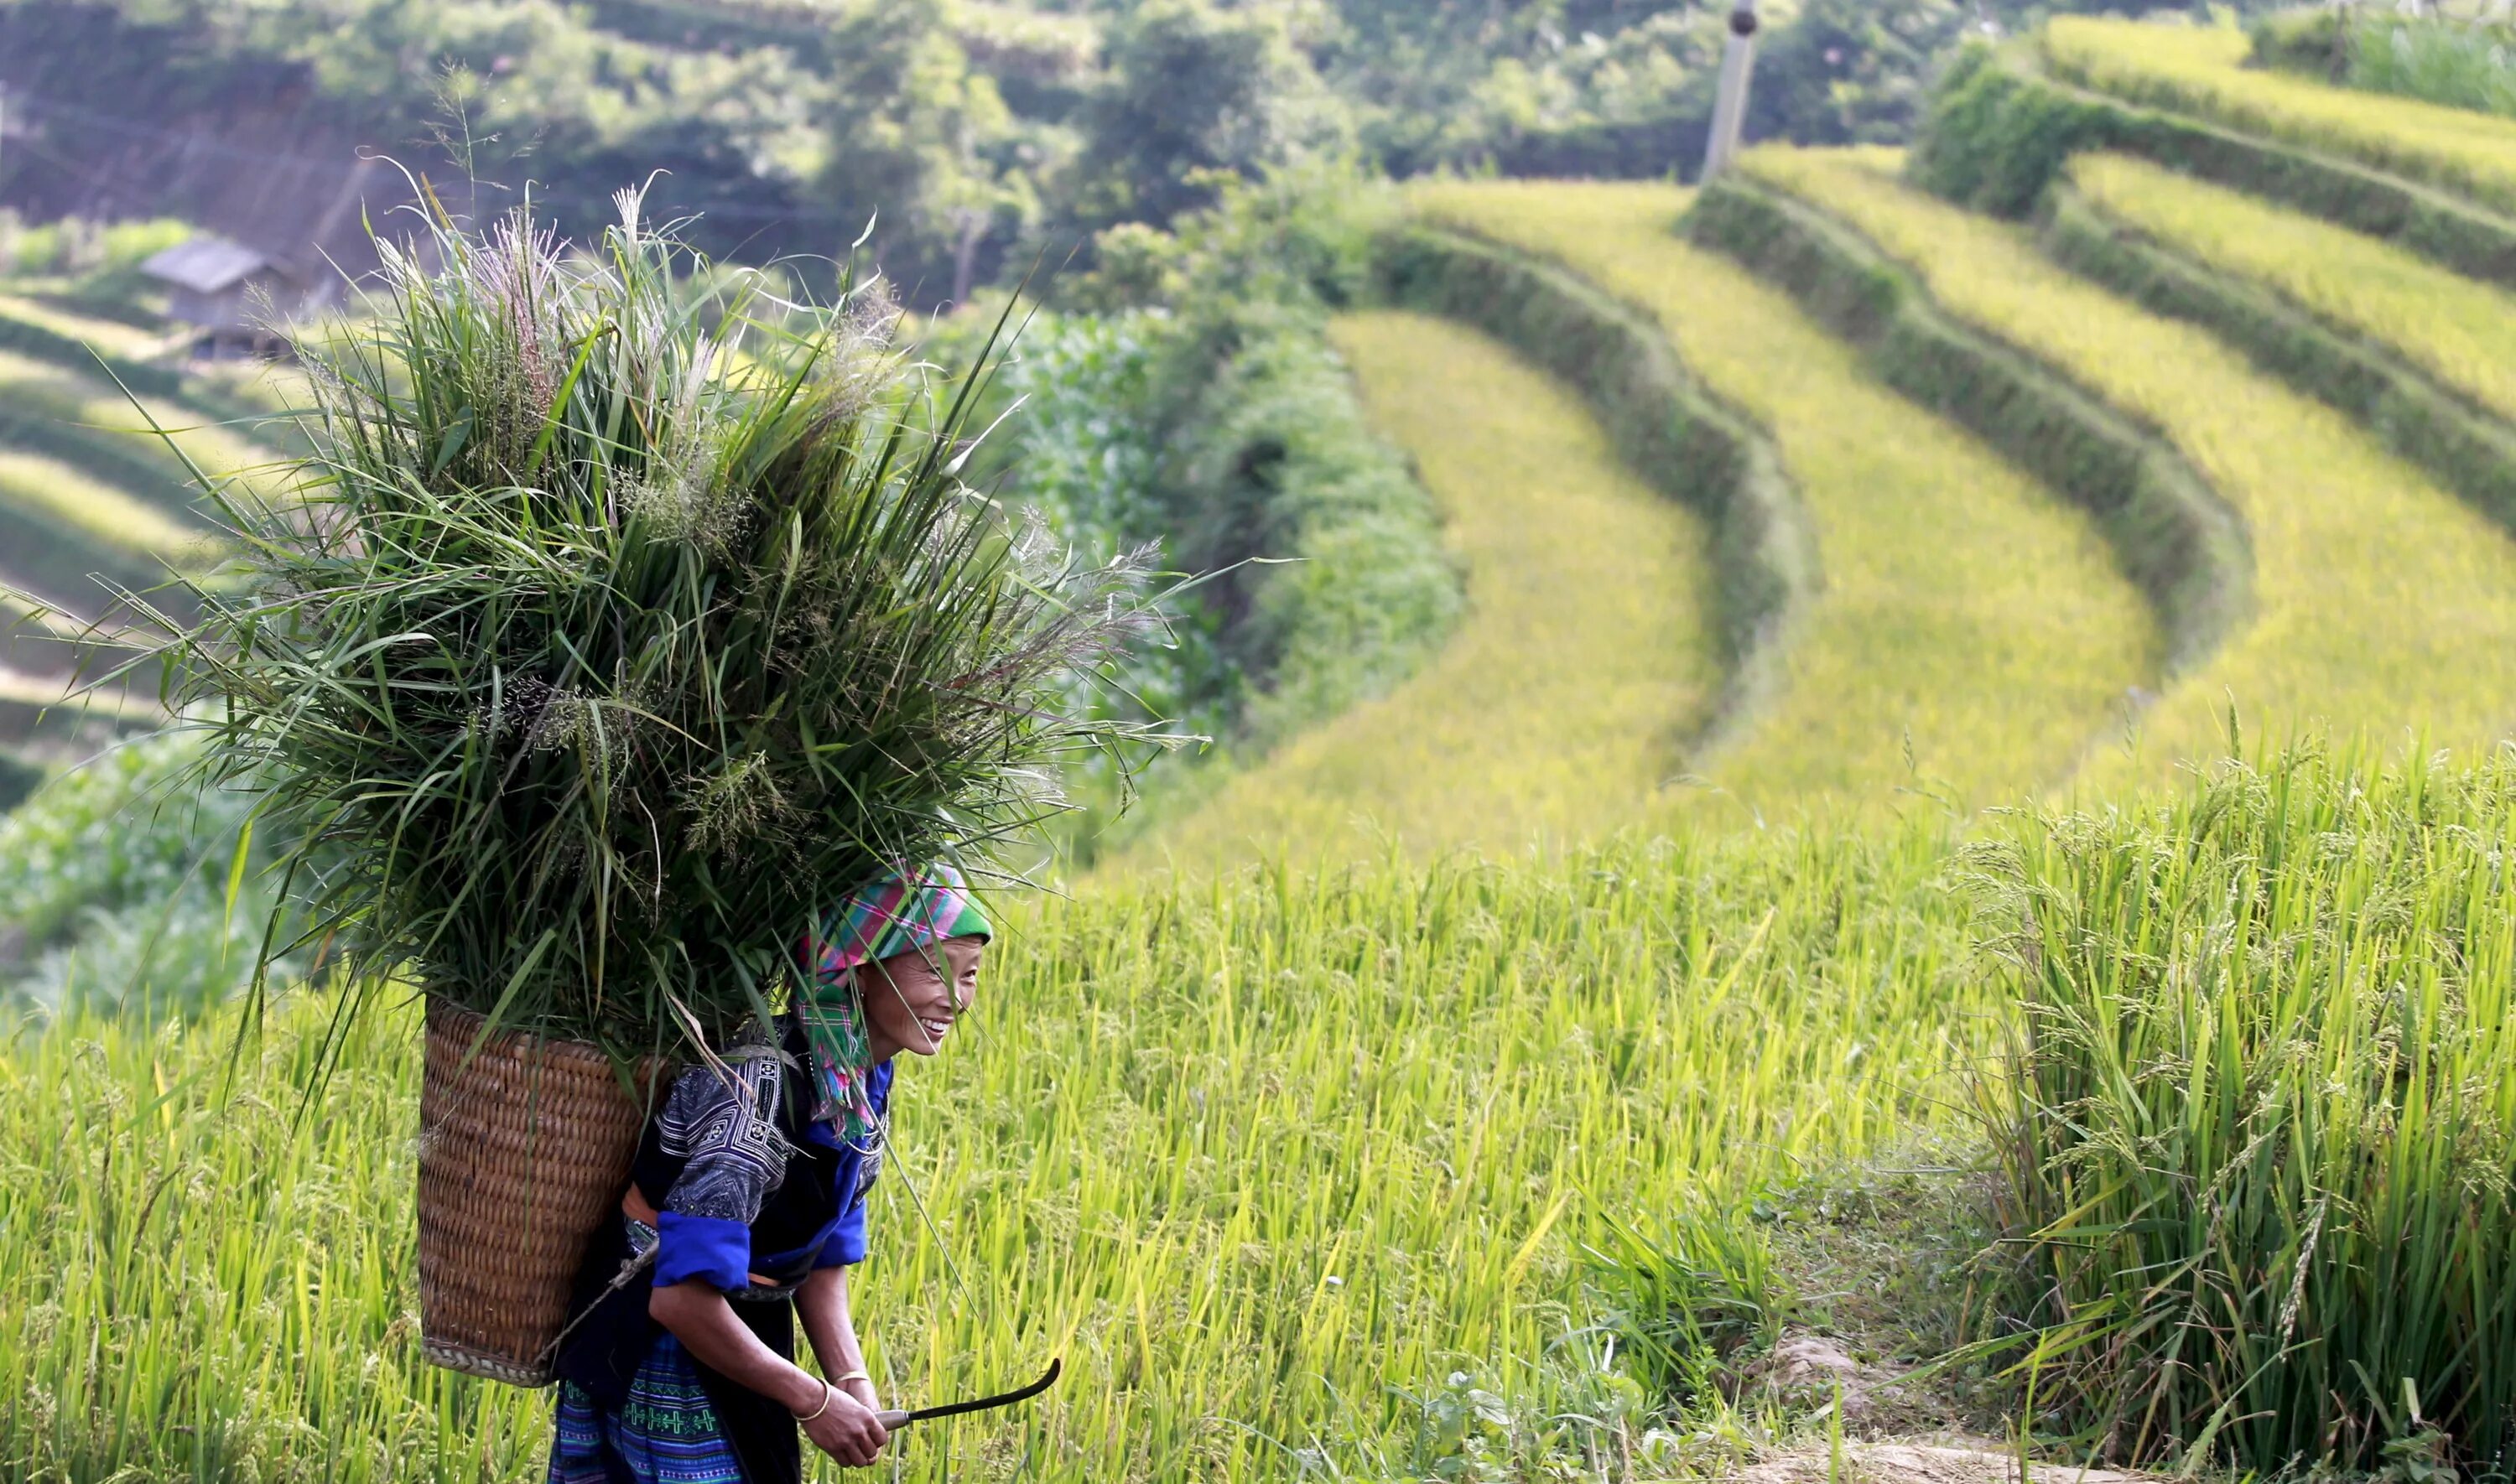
[(892, 1421)]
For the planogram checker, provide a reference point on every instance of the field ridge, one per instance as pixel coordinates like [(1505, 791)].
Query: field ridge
[(1665, 424), (2382, 599), (2178, 541)]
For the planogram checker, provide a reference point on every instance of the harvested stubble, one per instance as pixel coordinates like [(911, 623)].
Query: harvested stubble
[(2382, 602), (1970, 634), (1252, 1155), (1558, 706), (2462, 332), (2200, 69)]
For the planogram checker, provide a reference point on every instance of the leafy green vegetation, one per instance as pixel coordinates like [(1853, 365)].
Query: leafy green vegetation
[(588, 650), (1969, 637), (2439, 58), (115, 881), (1999, 130)]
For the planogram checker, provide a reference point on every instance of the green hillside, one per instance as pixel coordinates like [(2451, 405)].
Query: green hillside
[(1943, 805), (102, 441)]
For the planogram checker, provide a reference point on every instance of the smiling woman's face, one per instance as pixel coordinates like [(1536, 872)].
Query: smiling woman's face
[(912, 998)]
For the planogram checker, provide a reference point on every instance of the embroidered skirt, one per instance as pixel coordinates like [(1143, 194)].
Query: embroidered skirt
[(666, 1432)]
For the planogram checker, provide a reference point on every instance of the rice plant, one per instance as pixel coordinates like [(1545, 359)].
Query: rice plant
[(1970, 637), (2457, 330), (2256, 1135), (2200, 69), (1559, 707), (1269, 1159), (593, 652), (2384, 604)]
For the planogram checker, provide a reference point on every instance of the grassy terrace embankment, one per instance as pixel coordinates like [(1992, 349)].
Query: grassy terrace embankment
[(1587, 658), (2417, 355), (2199, 70), (2462, 332), (1964, 618), (2382, 602)]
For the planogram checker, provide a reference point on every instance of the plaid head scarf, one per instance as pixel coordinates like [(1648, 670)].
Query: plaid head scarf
[(890, 917)]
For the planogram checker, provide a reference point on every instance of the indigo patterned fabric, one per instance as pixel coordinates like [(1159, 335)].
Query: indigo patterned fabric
[(665, 1433), (722, 1123)]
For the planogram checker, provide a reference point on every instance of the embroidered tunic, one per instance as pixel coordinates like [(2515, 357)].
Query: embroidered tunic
[(756, 1195)]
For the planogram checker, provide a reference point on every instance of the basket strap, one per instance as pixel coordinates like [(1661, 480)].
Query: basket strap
[(628, 1270)]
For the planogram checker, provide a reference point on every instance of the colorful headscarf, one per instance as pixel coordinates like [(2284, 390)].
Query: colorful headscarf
[(893, 915)]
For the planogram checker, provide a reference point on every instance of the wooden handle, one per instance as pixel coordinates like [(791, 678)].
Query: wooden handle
[(892, 1421)]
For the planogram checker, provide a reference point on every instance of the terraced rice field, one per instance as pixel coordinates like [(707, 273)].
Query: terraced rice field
[(1560, 707), (2198, 69), (96, 404), (1972, 638), (2384, 604), (2460, 331)]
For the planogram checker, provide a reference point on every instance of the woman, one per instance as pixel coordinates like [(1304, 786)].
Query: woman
[(748, 1195)]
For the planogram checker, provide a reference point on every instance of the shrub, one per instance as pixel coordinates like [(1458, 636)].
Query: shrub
[(114, 890), (599, 653), (2254, 1127)]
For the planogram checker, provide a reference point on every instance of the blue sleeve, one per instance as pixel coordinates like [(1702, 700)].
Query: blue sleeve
[(845, 1246), (708, 1248)]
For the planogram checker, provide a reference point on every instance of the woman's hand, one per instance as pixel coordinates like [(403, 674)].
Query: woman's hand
[(847, 1430)]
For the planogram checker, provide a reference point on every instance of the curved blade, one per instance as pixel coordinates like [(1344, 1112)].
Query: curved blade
[(1006, 1399)]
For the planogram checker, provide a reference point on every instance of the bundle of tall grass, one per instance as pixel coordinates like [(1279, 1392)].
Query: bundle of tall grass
[(613, 628), (2257, 1136)]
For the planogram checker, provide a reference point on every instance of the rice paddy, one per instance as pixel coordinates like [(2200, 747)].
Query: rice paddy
[(1266, 1159), (220, 452), (2460, 331), (73, 497), (1971, 639), (2384, 604), (1561, 703), (2198, 69)]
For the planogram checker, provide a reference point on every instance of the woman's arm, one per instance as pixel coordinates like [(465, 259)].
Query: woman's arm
[(823, 1304), (703, 1322)]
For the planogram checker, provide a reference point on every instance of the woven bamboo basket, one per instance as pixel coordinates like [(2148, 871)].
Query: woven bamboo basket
[(522, 1153)]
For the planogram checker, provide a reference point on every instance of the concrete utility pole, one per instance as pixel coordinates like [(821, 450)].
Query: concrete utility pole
[(1730, 109)]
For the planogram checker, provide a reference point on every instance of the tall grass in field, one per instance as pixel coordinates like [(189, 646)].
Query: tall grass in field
[(2259, 1144), (1561, 703), (1971, 635), (2200, 69), (2460, 331), (2384, 604), (1267, 1159)]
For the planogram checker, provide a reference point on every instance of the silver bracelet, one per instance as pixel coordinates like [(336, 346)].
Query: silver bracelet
[(827, 1391)]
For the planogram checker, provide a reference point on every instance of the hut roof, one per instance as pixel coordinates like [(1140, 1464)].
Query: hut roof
[(207, 264)]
